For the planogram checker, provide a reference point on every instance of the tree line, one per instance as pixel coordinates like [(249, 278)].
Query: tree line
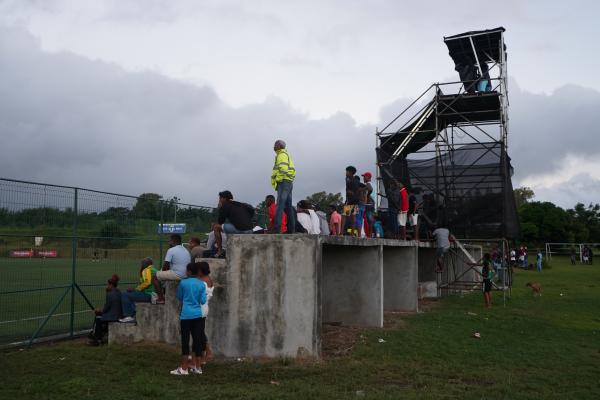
[(544, 221)]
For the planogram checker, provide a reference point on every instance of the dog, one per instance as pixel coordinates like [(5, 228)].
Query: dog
[(536, 287)]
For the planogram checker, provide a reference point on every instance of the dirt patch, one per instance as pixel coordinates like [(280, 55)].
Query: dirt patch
[(338, 340)]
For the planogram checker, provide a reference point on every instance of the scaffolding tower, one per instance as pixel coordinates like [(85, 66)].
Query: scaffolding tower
[(450, 148), (450, 144)]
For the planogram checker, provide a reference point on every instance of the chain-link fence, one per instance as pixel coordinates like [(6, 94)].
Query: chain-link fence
[(59, 245)]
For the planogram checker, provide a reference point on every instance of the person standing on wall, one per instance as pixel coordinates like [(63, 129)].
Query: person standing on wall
[(370, 207), (282, 180)]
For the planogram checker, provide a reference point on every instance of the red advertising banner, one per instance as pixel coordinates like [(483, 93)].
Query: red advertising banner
[(47, 253), (33, 253), (21, 253)]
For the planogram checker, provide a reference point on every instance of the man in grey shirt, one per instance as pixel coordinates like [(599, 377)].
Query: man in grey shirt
[(442, 239), (174, 268)]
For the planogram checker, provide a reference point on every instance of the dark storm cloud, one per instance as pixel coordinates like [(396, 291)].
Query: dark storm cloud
[(68, 120)]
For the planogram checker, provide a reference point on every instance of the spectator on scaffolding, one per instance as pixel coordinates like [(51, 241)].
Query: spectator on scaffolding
[(111, 312), (211, 243), (393, 199), (234, 218), (351, 206), (271, 211), (403, 214), (335, 221), (174, 267), (370, 206), (442, 239), (196, 249), (413, 211), (308, 218), (142, 293)]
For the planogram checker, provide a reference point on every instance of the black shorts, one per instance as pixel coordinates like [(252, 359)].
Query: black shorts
[(487, 285)]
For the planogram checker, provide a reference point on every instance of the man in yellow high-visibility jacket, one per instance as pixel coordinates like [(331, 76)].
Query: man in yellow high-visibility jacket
[(282, 180)]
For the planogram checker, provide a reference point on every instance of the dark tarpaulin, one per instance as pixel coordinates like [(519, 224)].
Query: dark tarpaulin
[(473, 187)]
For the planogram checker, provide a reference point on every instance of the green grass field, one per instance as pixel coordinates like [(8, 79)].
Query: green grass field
[(31, 287), (544, 347)]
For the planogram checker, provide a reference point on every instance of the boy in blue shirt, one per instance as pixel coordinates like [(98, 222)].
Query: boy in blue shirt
[(192, 294)]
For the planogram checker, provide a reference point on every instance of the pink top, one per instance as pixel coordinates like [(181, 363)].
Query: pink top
[(335, 223)]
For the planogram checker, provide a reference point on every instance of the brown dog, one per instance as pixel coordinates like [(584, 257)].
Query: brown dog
[(536, 287)]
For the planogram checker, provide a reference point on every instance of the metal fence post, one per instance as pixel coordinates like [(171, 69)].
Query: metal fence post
[(73, 263)]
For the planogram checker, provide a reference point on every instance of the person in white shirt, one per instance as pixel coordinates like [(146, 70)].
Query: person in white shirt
[(308, 218), (174, 268)]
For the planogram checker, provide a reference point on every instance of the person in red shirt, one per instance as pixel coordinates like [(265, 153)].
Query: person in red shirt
[(402, 215), (271, 208)]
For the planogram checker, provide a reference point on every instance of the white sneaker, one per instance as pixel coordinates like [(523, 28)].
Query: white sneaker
[(196, 370), (179, 371), (126, 320), (153, 298)]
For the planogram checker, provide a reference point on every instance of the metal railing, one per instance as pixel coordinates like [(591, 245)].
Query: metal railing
[(60, 244)]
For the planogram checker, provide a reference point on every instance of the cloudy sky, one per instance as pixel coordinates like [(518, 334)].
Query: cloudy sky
[(186, 97)]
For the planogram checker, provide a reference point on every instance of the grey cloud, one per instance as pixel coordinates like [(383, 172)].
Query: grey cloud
[(545, 128), (69, 120), (581, 188)]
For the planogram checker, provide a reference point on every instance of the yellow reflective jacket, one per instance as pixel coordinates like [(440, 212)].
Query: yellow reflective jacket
[(283, 168)]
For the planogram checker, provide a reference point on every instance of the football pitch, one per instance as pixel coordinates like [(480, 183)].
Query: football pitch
[(32, 287)]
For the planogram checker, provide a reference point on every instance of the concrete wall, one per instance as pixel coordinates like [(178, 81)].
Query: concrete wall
[(269, 306), (400, 278), (352, 285), (273, 293)]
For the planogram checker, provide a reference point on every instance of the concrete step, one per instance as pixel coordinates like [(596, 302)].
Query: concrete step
[(123, 333)]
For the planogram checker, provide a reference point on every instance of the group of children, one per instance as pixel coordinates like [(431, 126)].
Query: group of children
[(194, 293)]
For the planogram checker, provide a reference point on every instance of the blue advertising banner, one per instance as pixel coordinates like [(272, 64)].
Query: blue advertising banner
[(171, 228)]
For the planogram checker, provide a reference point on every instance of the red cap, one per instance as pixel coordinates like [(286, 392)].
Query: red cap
[(367, 174)]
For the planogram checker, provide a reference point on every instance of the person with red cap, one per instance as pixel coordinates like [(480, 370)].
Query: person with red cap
[(370, 206)]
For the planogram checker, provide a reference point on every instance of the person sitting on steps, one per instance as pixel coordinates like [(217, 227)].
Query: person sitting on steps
[(174, 267), (111, 312), (142, 293)]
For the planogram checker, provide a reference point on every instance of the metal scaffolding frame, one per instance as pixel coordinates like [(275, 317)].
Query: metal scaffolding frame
[(452, 142)]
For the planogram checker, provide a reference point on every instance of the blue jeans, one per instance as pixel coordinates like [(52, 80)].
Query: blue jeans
[(229, 228), (539, 266), (284, 203), (360, 216), (128, 300)]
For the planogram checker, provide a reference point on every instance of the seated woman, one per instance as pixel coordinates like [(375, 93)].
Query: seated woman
[(110, 313), (142, 293)]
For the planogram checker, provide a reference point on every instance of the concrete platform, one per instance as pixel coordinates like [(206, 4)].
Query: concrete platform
[(274, 292)]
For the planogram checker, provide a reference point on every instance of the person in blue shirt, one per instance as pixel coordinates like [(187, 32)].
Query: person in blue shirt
[(192, 294), (539, 261)]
